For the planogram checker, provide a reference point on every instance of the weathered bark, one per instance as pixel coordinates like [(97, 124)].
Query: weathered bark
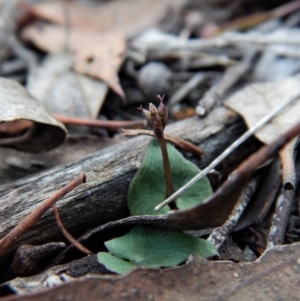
[(109, 172)]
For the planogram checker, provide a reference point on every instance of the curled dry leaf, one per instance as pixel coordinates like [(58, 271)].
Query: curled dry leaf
[(257, 100), (17, 104)]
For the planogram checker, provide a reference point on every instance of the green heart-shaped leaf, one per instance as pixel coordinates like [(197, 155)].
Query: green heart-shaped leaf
[(148, 187), (154, 247)]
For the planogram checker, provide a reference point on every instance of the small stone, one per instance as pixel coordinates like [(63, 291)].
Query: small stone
[(235, 275), (154, 78)]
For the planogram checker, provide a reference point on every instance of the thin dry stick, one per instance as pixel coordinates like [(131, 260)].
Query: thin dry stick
[(230, 149), (68, 236), (281, 217), (108, 124), (186, 88), (259, 39), (228, 39), (181, 143), (232, 75), (257, 18), (37, 213), (218, 236)]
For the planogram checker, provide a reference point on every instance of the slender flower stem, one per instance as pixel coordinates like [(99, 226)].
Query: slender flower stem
[(167, 166), (157, 118)]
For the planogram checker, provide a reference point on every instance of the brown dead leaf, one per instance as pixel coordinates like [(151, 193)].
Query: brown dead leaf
[(257, 100), (131, 16), (275, 276), (95, 54), (15, 102)]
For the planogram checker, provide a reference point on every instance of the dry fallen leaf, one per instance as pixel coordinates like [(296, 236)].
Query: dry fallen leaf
[(275, 276), (95, 54), (257, 100), (15, 102), (131, 16), (65, 92)]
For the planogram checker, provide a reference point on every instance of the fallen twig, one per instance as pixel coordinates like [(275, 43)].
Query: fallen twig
[(252, 20), (17, 126), (232, 75), (218, 236), (37, 213), (108, 124), (281, 217), (68, 236), (185, 89), (227, 39)]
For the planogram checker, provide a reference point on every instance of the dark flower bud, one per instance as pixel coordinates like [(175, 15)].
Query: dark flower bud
[(147, 114), (156, 117), (156, 121), (162, 111)]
